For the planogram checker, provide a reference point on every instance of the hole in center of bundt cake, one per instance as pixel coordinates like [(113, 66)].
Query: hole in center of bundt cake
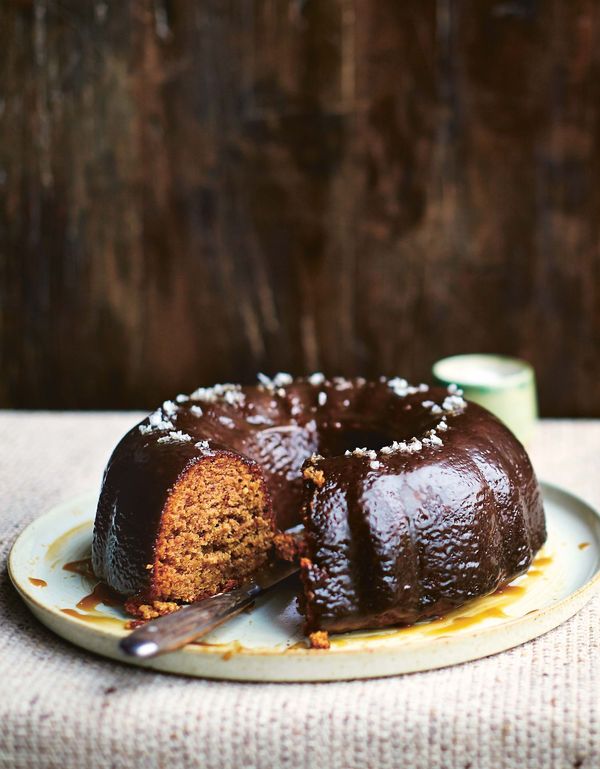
[(337, 440), (215, 530)]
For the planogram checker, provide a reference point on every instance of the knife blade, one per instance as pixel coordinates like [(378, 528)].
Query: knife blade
[(173, 631)]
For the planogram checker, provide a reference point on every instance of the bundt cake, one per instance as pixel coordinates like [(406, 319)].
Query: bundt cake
[(413, 500)]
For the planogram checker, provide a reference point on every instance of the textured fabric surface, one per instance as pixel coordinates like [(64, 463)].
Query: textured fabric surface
[(535, 706)]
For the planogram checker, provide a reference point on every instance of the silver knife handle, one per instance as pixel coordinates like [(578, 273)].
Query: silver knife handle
[(173, 631)]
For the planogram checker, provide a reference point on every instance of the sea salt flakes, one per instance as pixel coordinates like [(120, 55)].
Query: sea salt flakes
[(365, 452), (341, 383), (156, 421), (258, 419), (401, 387), (264, 380), (454, 404), (196, 411), (397, 383), (432, 439), (227, 422), (181, 398), (169, 408), (402, 447), (229, 393), (234, 397), (395, 446), (203, 446), (174, 437), (278, 381), (433, 407), (316, 379), (282, 379), (322, 398)]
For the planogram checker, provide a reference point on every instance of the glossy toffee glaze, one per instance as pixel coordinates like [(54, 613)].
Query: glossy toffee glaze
[(101, 594), (423, 532), (393, 535), (83, 567), (497, 605)]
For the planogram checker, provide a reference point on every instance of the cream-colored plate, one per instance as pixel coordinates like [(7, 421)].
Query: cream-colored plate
[(266, 644)]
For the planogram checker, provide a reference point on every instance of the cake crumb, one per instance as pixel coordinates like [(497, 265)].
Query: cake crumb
[(319, 640), (150, 609), (314, 475), (287, 546)]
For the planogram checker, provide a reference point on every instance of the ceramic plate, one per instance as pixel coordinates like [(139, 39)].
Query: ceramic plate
[(49, 566)]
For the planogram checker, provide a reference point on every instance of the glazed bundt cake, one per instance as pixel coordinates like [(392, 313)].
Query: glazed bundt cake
[(413, 500)]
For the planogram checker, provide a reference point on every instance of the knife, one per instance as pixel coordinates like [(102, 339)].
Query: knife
[(175, 630)]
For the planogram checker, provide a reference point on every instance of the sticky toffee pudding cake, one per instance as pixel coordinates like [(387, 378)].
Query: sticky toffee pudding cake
[(413, 500)]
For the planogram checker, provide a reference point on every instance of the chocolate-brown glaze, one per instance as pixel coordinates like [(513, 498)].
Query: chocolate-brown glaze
[(408, 536), (424, 532), (143, 470)]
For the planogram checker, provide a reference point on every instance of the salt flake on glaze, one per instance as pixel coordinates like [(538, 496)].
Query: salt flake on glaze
[(364, 452), (169, 408), (282, 379), (401, 387), (454, 389), (175, 437), (454, 404), (156, 421), (341, 383), (259, 419), (204, 447), (229, 393)]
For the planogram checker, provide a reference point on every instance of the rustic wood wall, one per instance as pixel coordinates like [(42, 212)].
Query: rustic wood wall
[(194, 190)]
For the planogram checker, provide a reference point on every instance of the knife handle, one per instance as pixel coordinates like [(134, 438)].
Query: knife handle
[(175, 630)]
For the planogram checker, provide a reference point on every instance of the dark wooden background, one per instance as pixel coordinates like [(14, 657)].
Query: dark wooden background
[(195, 190)]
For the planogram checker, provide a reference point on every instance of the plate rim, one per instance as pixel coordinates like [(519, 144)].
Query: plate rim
[(578, 598)]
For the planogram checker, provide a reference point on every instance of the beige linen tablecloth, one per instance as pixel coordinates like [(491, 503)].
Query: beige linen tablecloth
[(535, 706)]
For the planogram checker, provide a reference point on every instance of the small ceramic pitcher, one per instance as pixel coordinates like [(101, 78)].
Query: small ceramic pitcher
[(505, 386)]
